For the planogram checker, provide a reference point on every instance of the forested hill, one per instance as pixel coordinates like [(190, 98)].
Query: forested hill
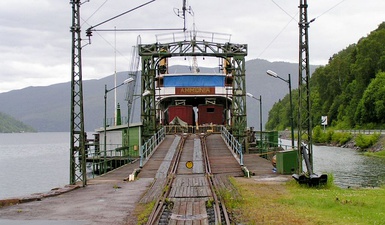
[(350, 89), (9, 124)]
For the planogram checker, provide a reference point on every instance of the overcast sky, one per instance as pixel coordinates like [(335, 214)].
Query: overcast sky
[(35, 38)]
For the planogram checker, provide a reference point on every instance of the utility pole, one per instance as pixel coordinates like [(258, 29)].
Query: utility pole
[(77, 139), (304, 113)]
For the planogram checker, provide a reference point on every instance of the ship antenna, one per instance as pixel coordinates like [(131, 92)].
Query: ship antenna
[(195, 67)]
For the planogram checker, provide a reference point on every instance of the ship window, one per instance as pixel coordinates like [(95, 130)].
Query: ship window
[(210, 110)]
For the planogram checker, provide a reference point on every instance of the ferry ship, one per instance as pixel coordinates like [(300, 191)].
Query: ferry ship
[(193, 100)]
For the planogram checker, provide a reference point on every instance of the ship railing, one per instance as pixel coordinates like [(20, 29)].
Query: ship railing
[(232, 143), (150, 145), (191, 35), (178, 129)]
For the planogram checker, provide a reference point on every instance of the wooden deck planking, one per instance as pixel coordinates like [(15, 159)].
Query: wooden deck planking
[(165, 165), (150, 169), (187, 155), (189, 187), (189, 211), (222, 160), (154, 192)]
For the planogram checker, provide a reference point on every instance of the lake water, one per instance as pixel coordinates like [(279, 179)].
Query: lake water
[(349, 167), (37, 162), (33, 162)]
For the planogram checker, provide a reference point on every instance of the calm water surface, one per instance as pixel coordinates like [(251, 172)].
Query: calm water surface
[(33, 163), (349, 167), (37, 162)]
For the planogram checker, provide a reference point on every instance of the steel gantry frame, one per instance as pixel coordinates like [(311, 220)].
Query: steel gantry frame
[(77, 139), (304, 113), (151, 54)]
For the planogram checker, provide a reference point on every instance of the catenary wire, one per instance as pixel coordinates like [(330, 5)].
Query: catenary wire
[(293, 18), (85, 21)]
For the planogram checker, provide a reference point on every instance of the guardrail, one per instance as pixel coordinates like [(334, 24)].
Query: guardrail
[(232, 142), (177, 129), (363, 131), (148, 147), (115, 156)]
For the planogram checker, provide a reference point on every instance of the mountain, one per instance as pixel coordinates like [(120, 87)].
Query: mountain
[(48, 108), (9, 124)]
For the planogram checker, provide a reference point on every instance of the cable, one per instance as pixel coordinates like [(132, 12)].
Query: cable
[(292, 17), (139, 29), (121, 54), (329, 9), (128, 11), (95, 12), (113, 47), (275, 38)]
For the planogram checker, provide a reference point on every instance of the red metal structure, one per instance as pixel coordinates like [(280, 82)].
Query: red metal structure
[(184, 112), (209, 113)]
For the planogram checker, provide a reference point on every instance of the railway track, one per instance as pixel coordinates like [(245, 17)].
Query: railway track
[(188, 193)]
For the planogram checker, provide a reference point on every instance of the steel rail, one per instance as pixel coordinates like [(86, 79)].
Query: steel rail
[(219, 204), (159, 206)]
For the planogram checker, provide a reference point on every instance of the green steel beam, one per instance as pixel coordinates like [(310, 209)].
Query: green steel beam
[(77, 139), (151, 54), (304, 113), (148, 97), (239, 123)]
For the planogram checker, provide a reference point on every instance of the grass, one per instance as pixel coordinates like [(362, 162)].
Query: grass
[(380, 154), (290, 203), (142, 212), (365, 141)]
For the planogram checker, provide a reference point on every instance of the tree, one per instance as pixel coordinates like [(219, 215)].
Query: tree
[(372, 105), (349, 89)]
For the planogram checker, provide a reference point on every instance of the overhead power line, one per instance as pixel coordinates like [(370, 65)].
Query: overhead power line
[(329, 9), (85, 21), (124, 13), (293, 18)]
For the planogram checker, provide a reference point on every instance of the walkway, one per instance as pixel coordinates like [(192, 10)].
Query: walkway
[(107, 199)]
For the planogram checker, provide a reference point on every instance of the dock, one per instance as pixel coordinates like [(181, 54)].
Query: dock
[(111, 199)]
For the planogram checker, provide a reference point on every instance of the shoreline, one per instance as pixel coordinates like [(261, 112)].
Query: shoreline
[(377, 147)]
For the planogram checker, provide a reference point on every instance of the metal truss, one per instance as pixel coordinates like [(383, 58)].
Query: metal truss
[(151, 54), (77, 139), (239, 119), (304, 113), (148, 110)]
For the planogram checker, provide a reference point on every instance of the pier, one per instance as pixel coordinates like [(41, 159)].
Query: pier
[(112, 198)]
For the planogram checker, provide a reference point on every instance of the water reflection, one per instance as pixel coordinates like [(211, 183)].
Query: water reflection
[(349, 167)]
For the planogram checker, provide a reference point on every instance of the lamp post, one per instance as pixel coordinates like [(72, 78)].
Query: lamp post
[(260, 115), (129, 80), (273, 74)]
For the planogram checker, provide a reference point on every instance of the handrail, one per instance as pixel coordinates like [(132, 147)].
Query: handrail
[(377, 131), (233, 143), (147, 148), (102, 162)]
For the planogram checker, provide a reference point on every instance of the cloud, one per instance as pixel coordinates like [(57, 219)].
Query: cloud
[(35, 38)]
